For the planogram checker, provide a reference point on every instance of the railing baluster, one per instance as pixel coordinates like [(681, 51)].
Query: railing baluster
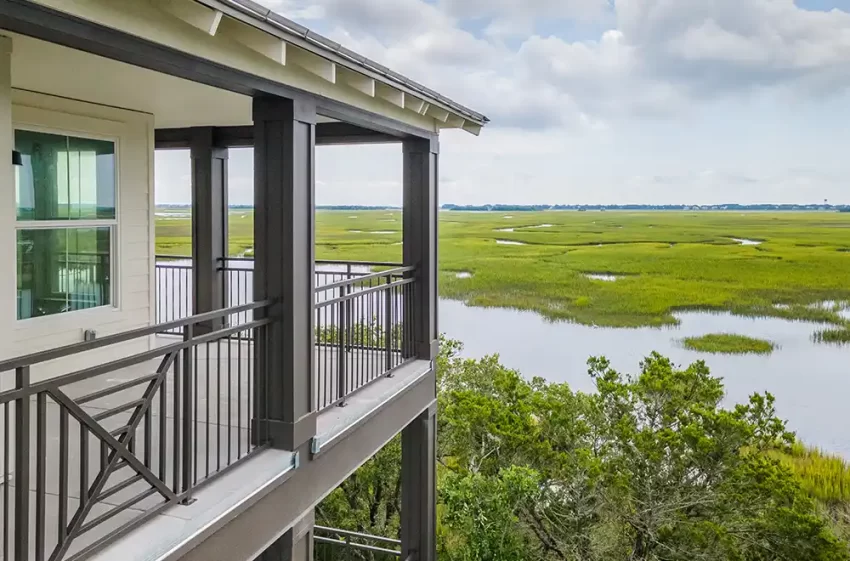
[(342, 359), (22, 466), (218, 403), (187, 408), (195, 415), (148, 438), (388, 325), (229, 400), (163, 426), (6, 477), (239, 395), (40, 473), (62, 519), (176, 453), (207, 425), (84, 463), (249, 400)]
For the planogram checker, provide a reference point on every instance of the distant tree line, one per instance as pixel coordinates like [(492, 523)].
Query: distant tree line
[(539, 208), (725, 206)]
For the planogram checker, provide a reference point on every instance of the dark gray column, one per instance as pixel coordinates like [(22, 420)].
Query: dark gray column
[(284, 235), (420, 239), (419, 487), (209, 222), (296, 544)]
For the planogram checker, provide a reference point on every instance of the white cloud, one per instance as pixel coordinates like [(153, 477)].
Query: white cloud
[(514, 18), (587, 97)]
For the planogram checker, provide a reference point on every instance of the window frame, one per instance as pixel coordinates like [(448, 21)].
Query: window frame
[(76, 224)]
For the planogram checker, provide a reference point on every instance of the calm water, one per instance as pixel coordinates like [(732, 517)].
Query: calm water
[(811, 382)]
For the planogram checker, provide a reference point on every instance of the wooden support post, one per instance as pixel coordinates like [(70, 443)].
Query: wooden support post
[(419, 487), (420, 240), (209, 224), (284, 237)]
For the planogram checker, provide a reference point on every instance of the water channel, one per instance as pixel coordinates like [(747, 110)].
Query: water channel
[(811, 381)]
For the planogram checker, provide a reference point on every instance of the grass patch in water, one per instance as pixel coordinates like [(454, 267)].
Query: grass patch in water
[(833, 336), (728, 343)]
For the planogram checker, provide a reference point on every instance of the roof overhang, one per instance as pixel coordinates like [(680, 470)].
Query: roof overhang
[(336, 63), (246, 38)]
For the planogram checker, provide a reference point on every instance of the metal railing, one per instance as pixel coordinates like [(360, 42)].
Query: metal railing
[(174, 282), (174, 288), (106, 444), (363, 330), (332, 544), (238, 282), (362, 318)]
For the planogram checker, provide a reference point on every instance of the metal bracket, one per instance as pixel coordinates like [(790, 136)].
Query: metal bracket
[(296, 460), (315, 445)]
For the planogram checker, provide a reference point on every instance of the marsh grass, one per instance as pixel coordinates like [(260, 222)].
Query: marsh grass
[(728, 343), (664, 261), (824, 476)]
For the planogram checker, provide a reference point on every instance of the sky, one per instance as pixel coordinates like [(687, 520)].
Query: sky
[(597, 101)]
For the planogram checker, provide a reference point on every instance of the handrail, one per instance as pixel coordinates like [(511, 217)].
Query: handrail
[(364, 292), (353, 545), (371, 276), (357, 263), (356, 534), (83, 346), (132, 360), (318, 261)]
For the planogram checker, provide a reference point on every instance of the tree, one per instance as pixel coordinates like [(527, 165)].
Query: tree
[(648, 467), (687, 479)]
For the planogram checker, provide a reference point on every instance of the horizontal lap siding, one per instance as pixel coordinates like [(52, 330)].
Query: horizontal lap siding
[(133, 269)]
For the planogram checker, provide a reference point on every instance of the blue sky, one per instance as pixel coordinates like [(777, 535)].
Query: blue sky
[(592, 101)]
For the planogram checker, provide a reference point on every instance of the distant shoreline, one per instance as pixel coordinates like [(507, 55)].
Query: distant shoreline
[(579, 208)]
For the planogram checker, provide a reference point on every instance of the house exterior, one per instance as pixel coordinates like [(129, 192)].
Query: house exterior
[(210, 434)]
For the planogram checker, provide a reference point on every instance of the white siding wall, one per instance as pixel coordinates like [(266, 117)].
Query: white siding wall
[(133, 273)]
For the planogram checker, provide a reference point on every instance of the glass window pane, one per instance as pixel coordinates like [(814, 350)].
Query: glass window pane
[(63, 269), (92, 178), (42, 186), (64, 177)]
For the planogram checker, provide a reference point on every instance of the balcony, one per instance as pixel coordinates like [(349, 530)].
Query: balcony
[(160, 430)]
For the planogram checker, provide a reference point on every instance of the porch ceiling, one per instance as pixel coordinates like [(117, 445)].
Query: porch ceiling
[(52, 69)]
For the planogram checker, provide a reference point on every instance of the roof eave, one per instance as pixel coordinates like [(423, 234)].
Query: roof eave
[(300, 36)]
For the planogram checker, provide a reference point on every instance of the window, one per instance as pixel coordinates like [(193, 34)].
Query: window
[(65, 194)]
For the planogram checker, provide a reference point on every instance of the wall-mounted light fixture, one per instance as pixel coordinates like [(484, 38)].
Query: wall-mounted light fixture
[(16, 158)]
